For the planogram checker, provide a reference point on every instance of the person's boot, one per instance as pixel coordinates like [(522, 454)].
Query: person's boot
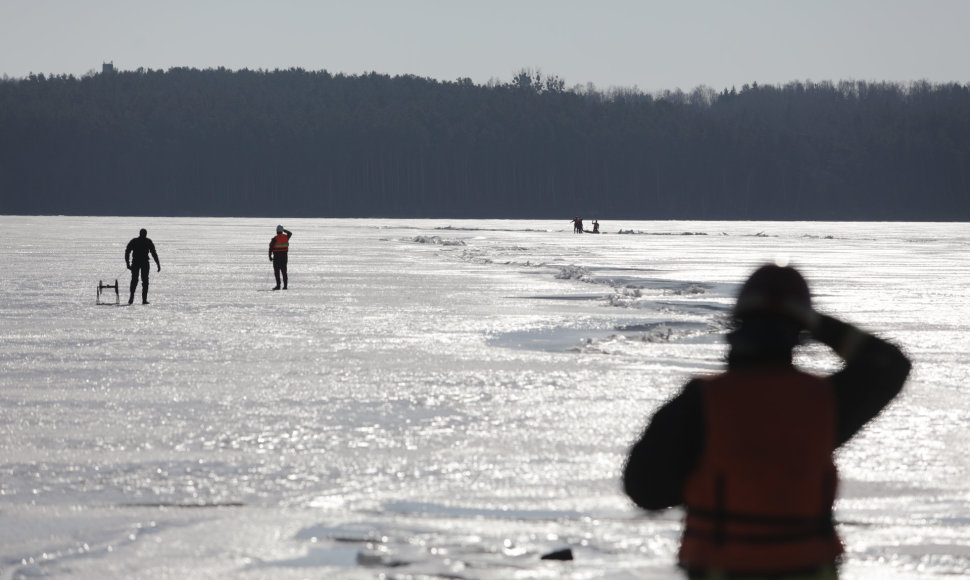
[(131, 299)]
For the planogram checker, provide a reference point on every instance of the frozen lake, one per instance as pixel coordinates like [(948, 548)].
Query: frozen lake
[(433, 398)]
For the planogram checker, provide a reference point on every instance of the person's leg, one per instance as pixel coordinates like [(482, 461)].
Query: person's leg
[(276, 272), (144, 283), (134, 284), (283, 271)]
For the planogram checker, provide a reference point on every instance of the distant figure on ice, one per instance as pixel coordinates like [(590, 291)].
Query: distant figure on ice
[(136, 260), (279, 248), (748, 452), (596, 227), (577, 225)]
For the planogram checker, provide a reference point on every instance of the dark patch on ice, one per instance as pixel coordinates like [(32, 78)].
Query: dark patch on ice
[(564, 554)]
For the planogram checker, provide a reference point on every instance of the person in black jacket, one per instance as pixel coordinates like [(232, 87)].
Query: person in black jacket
[(748, 453), (136, 260)]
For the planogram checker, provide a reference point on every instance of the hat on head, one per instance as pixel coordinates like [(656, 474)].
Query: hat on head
[(279, 229)]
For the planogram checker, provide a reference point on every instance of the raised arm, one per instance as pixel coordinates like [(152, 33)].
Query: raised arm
[(873, 375)]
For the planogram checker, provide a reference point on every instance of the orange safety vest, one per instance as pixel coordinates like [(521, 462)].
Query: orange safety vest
[(760, 500), (281, 243)]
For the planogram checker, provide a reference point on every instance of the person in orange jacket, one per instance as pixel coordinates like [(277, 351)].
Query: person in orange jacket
[(748, 452), (279, 247)]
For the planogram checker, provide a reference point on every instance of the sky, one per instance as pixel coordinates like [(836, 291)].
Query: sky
[(644, 44)]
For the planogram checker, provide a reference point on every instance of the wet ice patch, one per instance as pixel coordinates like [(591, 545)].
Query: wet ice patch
[(619, 339), (548, 340), (632, 340), (620, 343), (691, 300), (329, 556), (437, 543)]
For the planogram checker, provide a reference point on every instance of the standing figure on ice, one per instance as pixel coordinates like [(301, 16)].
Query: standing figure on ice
[(136, 260), (748, 453), (279, 248)]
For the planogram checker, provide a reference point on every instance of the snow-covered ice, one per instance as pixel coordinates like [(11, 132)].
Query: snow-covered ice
[(433, 398)]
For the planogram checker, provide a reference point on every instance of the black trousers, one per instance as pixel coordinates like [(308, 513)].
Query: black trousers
[(279, 267), (137, 269)]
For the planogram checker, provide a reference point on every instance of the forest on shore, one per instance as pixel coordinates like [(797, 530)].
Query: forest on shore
[(284, 143)]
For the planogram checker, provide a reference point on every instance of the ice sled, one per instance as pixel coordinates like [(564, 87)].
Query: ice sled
[(102, 286)]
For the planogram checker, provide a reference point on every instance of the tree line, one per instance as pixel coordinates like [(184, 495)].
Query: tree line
[(217, 142)]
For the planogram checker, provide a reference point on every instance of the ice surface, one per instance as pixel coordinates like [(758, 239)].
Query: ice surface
[(433, 398)]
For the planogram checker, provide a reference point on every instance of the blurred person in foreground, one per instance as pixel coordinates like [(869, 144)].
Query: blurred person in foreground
[(748, 452), (136, 260)]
